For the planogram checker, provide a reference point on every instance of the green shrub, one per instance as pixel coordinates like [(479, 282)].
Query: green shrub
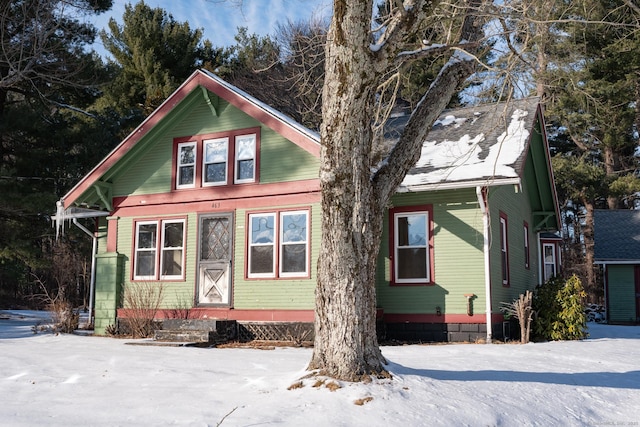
[(560, 310)]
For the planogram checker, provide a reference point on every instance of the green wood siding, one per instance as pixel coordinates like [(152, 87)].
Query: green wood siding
[(514, 203), (285, 293), (459, 262), (621, 293), (147, 168)]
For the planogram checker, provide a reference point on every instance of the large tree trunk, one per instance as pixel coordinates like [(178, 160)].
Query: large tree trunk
[(354, 196), (346, 344)]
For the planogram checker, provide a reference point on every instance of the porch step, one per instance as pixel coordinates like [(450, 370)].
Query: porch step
[(212, 331)]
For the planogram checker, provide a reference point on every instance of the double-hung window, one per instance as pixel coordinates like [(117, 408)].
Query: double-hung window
[(217, 159), (159, 250), (549, 260), (278, 244), (412, 257), (245, 155), (186, 165)]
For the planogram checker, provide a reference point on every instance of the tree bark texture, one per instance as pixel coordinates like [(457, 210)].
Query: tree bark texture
[(346, 345), (356, 192)]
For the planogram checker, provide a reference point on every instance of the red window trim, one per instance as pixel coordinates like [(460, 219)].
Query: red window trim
[(231, 157), (277, 213), (159, 221), (392, 248), (504, 239), (527, 246)]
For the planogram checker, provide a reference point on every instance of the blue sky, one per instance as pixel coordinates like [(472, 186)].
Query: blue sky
[(219, 19)]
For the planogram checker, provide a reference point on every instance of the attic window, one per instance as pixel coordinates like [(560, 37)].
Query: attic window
[(217, 159), (186, 172)]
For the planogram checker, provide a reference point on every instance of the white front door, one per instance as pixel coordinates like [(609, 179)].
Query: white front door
[(215, 249)]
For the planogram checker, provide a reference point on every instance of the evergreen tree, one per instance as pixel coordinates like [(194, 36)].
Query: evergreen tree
[(47, 83), (593, 112), (152, 55)]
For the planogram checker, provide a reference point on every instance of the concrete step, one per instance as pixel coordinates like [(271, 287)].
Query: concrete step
[(196, 331), (172, 335)]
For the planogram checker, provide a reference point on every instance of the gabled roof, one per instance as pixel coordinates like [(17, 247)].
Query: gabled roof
[(287, 127), (617, 236), (482, 145)]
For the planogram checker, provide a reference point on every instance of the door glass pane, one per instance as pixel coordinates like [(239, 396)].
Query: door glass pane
[(215, 241)]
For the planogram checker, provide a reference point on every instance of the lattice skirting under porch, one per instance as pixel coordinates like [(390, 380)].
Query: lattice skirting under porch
[(275, 331)]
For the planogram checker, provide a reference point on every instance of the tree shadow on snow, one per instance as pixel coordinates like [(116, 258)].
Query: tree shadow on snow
[(629, 380)]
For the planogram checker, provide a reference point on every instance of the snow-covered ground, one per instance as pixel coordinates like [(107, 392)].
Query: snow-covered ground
[(69, 380)]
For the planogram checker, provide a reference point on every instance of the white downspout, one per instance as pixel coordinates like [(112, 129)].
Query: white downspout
[(487, 265), (92, 284)]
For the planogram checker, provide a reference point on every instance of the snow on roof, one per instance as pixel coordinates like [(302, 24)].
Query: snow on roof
[(481, 145)]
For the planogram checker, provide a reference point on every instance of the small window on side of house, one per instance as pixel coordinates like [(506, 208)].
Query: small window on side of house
[(504, 250), (527, 252)]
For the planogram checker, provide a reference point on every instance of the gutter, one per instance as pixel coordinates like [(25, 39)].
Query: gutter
[(487, 270)]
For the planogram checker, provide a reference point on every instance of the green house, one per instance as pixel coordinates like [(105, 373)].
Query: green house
[(617, 250), (216, 198)]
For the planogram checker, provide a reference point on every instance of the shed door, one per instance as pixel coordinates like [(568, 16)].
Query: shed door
[(215, 250)]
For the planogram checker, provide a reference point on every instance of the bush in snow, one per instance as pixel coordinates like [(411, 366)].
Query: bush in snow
[(141, 303), (560, 310), (522, 310)]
